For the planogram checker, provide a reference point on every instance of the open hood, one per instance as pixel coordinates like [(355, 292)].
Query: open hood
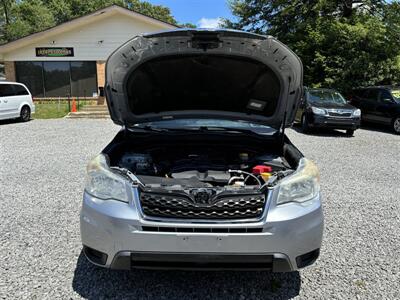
[(219, 74)]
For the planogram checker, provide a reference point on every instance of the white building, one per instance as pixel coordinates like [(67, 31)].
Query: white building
[(69, 59)]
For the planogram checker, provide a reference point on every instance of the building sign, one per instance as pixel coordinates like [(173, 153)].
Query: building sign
[(54, 52)]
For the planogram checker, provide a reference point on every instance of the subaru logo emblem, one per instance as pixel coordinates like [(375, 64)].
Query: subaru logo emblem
[(202, 196)]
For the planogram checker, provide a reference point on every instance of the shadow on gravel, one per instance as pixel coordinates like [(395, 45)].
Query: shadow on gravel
[(323, 132), (342, 133), (96, 283), (11, 121), (377, 128)]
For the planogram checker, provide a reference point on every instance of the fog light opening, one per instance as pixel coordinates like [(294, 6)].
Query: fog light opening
[(95, 256), (307, 258)]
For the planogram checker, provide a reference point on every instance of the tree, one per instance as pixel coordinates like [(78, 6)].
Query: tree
[(19, 18), (26, 17), (156, 11), (342, 44), (187, 25), (68, 9), (5, 7)]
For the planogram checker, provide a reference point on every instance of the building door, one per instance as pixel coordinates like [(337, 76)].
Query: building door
[(57, 78)]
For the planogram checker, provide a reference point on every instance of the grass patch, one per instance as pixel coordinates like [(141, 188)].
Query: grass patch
[(360, 284), (55, 109), (50, 110)]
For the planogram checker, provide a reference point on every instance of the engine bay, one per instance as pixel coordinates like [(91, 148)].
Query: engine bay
[(186, 167), (202, 175)]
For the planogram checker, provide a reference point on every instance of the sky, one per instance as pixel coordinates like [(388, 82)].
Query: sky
[(202, 13)]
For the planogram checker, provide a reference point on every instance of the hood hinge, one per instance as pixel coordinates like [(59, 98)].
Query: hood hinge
[(283, 125), (282, 129), (125, 129)]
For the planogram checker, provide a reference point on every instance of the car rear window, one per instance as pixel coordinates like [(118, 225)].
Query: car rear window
[(20, 90), (7, 90)]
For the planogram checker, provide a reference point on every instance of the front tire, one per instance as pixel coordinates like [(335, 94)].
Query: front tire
[(304, 124), (350, 132), (25, 114), (396, 125)]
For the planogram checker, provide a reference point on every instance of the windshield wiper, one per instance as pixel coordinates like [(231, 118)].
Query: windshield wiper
[(147, 128), (226, 129), (259, 131)]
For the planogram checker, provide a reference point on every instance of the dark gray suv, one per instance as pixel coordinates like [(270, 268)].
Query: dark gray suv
[(379, 104)]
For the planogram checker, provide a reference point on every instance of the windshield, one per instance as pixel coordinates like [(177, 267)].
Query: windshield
[(211, 124), (396, 95), (325, 96)]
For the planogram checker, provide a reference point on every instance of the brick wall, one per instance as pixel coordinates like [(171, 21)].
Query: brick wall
[(9, 70), (101, 73)]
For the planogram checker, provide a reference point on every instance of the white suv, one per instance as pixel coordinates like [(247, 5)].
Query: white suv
[(15, 101)]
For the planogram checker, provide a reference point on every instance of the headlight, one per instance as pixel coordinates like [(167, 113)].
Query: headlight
[(357, 113), (318, 111), (302, 185), (102, 183)]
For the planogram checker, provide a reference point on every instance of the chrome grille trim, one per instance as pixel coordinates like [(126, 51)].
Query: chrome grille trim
[(340, 113), (180, 207)]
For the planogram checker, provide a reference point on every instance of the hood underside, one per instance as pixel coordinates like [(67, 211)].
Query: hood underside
[(203, 74)]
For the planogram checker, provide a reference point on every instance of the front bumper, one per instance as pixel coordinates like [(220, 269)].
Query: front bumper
[(334, 123), (113, 231)]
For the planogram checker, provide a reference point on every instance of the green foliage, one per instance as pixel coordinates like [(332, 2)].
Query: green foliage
[(156, 11), (187, 25), (27, 17), (342, 44), (19, 18)]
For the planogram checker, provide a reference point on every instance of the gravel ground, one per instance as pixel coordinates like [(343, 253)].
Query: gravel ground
[(42, 167)]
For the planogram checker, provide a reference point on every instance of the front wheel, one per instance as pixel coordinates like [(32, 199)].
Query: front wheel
[(396, 125), (304, 124), (25, 114), (350, 132)]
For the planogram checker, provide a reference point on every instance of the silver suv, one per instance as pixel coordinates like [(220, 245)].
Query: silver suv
[(201, 174)]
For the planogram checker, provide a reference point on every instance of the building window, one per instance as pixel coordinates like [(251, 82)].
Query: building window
[(83, 78), (58, 78), (31, 74), (57, 81)]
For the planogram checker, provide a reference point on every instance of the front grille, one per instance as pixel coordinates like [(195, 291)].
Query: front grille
[(340, 113), (181, 206)]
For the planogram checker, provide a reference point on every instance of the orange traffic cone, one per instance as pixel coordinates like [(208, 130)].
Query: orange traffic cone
[(73, 109)]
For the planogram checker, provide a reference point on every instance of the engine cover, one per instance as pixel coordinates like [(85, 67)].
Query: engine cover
[(207, 176)]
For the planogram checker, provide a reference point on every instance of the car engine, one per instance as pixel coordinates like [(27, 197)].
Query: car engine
[(202, 170)]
